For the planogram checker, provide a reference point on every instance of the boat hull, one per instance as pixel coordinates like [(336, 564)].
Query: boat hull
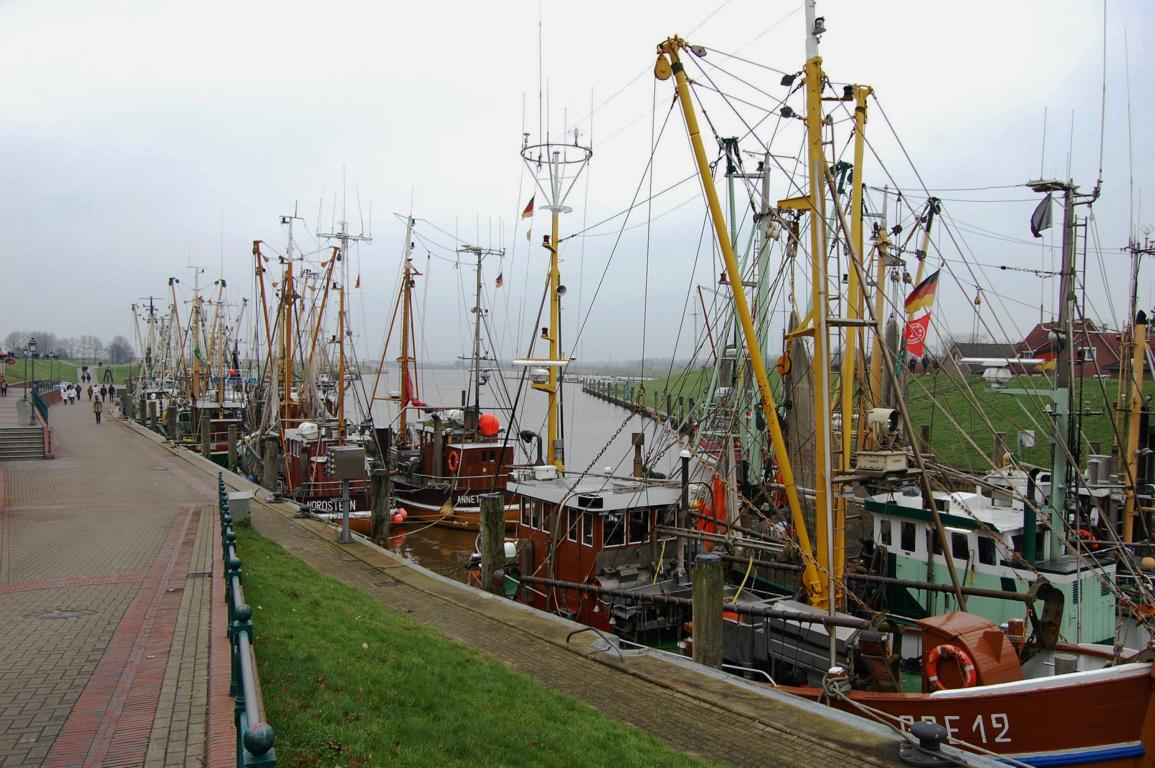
[(447, 507), (1100, 717)]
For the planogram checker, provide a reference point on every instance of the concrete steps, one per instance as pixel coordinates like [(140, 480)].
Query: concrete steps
[(21, 443)]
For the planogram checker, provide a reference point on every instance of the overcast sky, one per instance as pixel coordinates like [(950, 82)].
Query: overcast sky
[(140, 138)]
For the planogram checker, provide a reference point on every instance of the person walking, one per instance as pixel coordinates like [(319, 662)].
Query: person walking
[(89, 391), (103, 392), (4, 388), (97, 407), (112, 393)]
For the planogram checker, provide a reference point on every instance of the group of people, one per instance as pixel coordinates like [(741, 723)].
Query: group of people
[(71, 393)]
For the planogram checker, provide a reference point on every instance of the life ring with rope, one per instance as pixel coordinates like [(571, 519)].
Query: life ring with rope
[(948, 651), (453, 460)]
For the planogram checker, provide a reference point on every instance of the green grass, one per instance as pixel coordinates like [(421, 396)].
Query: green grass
[(349, 683), (66, 370)]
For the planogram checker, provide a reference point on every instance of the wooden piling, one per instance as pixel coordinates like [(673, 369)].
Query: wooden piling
[(924, 438), (152, 408), (233, 447), (205, 435), (707, 610), (271, 461), (382, 493), (492, 540)]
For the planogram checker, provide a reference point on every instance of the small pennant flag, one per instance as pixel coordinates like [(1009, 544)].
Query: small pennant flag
[(1041, 218), (915, 335), (500, 281), (357, 284), (922, 297), (528, 212), (529, 235)]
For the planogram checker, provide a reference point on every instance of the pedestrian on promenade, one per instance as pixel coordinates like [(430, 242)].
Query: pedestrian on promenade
[(112, 392), (97, 407), (4, 388), (89, 391), (103, 391)]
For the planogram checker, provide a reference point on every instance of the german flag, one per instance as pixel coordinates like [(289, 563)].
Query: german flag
[(922, 297)]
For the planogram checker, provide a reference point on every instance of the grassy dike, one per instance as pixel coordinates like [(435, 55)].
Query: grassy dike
[(349, 683)]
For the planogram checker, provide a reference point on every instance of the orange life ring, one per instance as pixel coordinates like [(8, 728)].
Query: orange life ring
[(964, 660), (453, 460)]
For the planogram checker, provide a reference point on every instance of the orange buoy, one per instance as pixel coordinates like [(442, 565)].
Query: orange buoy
[(489, 424)]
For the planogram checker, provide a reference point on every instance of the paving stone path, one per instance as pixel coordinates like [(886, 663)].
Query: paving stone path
[(106, 614)]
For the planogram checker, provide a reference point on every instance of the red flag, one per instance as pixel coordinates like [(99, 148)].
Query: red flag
[(500, 281), (528, 212), (358, 283), (915, 335)]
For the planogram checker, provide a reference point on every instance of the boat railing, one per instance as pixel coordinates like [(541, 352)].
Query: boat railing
[(255, 737)]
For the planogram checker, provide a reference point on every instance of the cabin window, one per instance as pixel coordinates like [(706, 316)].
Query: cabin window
[(987, 554), (573, 522), (1085, 355), (935, 542), (884, 533), (613, 530), (907, 534), (959, 547), (639, 525), (531, 513), (588, 528)]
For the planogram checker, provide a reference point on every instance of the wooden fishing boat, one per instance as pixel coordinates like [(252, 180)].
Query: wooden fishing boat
[(441, 464)]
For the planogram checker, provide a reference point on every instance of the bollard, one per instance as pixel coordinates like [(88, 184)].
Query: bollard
[(707, 610), (492, 539), (152, 408)]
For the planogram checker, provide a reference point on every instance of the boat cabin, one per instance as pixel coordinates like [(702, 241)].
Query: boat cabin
[(594, 530), (985, 532)]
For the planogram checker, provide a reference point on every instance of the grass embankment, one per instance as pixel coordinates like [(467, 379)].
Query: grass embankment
[(65, 370), (349, 683), (972, 411), (978, 411)]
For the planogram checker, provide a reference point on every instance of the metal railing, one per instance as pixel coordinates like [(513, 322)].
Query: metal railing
[(39, 404), (254, 736)]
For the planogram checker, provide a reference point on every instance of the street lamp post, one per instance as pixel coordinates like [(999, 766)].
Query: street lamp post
[(27, 355), (32, 381)]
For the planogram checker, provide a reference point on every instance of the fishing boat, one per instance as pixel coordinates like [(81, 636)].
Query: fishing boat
[(1031, 698), (442, 461)]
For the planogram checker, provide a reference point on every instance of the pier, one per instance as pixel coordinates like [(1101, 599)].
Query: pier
[(677, 411), (112, 594)]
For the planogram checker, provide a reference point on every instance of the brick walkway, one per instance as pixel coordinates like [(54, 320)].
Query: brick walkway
[(106, 556)]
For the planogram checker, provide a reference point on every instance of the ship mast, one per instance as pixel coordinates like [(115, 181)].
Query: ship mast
[(669, 64), (475, 376), (1132, 390), (555, 168)]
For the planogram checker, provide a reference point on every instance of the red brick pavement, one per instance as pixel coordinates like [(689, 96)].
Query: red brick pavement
[(113, 512)]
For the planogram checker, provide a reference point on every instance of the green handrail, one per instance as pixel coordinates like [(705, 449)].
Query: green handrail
[(254, 737)]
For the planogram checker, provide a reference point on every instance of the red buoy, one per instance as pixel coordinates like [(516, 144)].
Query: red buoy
[(489, 424)]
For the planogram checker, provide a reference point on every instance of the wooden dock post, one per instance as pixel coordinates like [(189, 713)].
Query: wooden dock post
[(233, 447), (206, 437), (707, 610), (493, 542), (382, 492), (152, 406), (170, 423), (924, 438), (270, 461)]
